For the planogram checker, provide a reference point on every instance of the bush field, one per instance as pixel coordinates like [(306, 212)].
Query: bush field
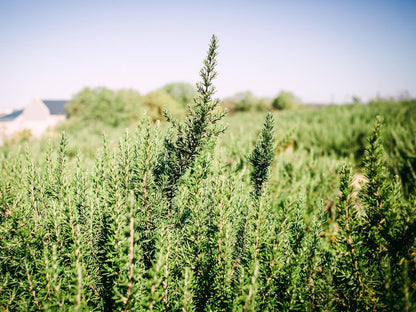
[(246, 212)]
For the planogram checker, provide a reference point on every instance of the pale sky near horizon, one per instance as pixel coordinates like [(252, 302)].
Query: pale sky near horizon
[(323, 51)]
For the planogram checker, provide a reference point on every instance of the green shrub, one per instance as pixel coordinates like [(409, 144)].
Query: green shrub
[(183, 93), (246, 101), (156, 101), (103, 105), (285, 100)]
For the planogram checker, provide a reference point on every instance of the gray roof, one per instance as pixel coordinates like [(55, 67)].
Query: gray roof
[(55, 107), (12, 116)]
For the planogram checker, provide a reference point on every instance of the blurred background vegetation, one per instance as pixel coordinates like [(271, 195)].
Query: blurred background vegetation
[(337, 132), (123, 107)]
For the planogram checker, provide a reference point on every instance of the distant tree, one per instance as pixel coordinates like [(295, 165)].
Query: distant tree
[(156, 100), (246, 101), (181, 92), (285, 100), (264, 104), (242, 101), (107, 106)]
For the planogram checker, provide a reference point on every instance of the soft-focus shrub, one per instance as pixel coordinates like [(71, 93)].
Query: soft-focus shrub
[(285, 100), (107, 106), (155, 102), (246, 101), (181, 92)]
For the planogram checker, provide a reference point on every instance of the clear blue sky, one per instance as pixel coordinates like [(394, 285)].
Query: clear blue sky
[(320, 50)]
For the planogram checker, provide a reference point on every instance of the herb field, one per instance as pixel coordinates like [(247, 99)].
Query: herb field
[(297, 210)]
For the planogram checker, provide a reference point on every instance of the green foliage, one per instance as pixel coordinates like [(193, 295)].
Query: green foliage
[(183, 219), (157, 100), (183, 93), (110, 107), (262, 156), (193, 133), (246, 101), (285, 100), (374, 233), (341, 131)]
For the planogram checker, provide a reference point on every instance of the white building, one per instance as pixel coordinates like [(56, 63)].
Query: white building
[(37, 117)]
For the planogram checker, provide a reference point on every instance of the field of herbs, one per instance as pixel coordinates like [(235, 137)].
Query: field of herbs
[(298, 210)]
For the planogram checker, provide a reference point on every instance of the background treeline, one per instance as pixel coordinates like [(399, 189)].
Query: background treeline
[(190, 215), (122, 107)]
